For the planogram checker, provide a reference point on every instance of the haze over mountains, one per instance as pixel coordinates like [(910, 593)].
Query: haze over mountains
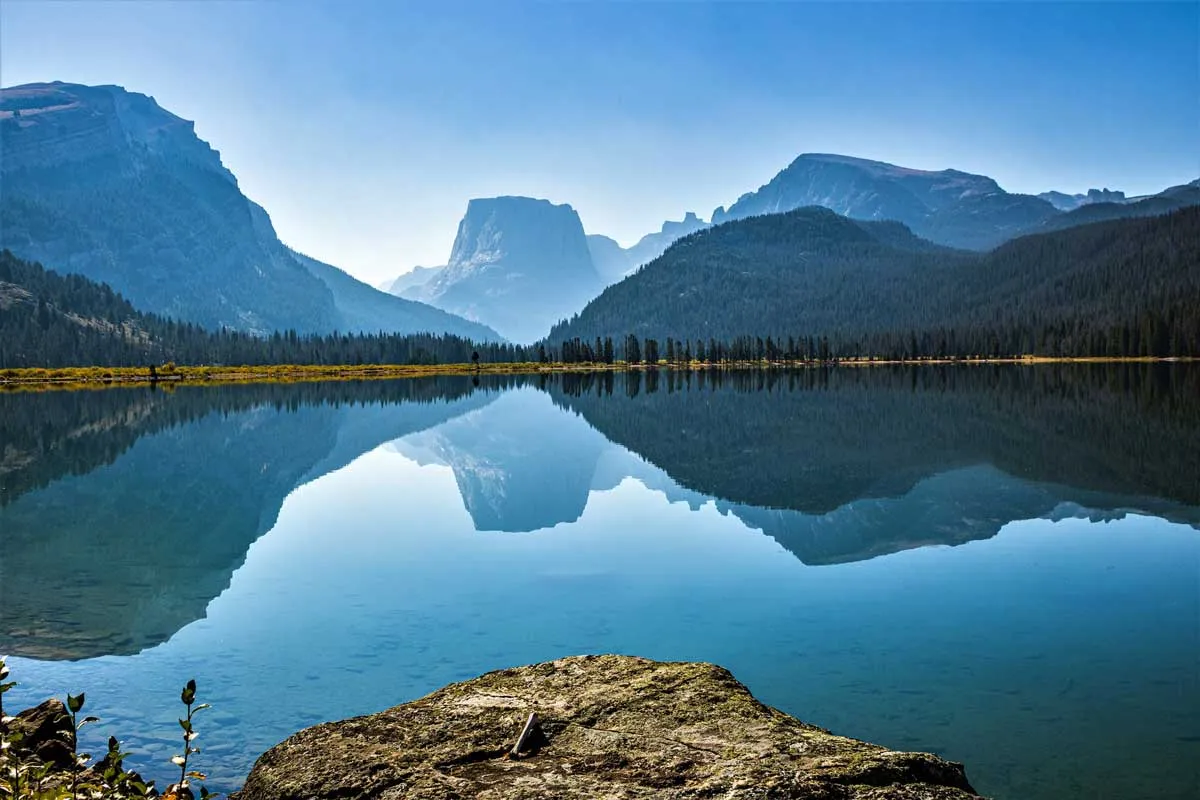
[(104, 182), (947, 207)]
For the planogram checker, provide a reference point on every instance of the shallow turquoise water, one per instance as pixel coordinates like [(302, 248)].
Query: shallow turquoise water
[(310, 557)]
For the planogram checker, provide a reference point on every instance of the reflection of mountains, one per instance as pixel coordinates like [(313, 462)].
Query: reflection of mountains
[(127, 511), (124, 512), (840, 465), (847, 464)]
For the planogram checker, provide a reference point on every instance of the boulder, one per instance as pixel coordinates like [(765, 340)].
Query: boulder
[(605, 727), (44, 731)]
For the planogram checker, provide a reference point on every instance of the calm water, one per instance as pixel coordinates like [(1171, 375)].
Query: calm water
[(999, 565)]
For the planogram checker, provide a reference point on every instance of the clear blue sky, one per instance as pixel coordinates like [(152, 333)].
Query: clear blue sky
[(364, 127)]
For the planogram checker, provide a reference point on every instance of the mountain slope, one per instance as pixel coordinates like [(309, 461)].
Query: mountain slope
[(52, 320), (949, 207), (518, 264), (812, 272), (614, 262), (1171, 199), (105, 183), (409, 284), (365, 309)]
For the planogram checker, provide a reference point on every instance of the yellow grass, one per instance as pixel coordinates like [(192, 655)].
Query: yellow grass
[(94, 377)]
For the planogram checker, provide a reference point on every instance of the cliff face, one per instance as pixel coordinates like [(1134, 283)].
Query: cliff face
[(106, 183), (518, 264), (606, 727)]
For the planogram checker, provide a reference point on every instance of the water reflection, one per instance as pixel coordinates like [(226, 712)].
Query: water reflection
[(142, 504), (352, 544)]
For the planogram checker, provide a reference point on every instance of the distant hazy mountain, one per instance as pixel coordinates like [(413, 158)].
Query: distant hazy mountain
[(364, 308), (409, 284), (518, 264), (1070, 202), (105, 183), (614, 262), (608, 257), (948, 207), (1171, 199)]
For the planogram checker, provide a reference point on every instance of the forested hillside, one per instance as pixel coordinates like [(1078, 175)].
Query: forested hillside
[(829, 286), (52, 320)]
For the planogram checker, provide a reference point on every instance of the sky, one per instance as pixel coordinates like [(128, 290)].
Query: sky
[(365, 127)]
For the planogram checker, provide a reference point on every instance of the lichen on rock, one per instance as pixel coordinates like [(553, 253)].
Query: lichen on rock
[(608, 727)]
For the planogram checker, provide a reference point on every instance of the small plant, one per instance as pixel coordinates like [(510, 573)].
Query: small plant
[(182, 790), (23, 776)]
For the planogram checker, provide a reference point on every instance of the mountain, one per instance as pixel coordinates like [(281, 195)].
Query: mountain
[(518, 264), (949, 207), (1125, 286), (614, 262), (1070, 202), (105, 183), (52, 320), (610, 260), (363, 308), (409, 284), (1164, 202)]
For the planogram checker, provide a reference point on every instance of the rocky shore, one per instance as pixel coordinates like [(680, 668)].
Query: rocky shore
[(592, 727)]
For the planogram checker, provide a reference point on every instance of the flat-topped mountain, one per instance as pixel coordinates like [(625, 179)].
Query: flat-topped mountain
[(947, 206), (106, 183), (518, 264)]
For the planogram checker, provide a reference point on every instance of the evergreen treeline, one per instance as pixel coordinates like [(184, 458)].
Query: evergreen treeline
[(52, 320), (811, 285), (807, 286)]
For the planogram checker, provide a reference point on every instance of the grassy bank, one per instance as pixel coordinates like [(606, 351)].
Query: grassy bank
[(82, 377)]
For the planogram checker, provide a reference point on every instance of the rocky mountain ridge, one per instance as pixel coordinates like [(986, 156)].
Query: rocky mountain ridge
[(106, 183)]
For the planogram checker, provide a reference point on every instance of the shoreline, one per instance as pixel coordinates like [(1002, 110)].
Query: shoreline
[(68, 378)]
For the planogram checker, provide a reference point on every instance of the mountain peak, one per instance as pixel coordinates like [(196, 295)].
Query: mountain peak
[(518, 264), (50, 124), (949, 206)]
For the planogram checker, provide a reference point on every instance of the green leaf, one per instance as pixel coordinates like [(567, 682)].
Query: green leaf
[(186, 725), (188, 695), (75, 702), (88, 721), (201, 707)]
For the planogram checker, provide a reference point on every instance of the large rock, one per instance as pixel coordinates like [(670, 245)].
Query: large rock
[(44, 732), (610, 727)]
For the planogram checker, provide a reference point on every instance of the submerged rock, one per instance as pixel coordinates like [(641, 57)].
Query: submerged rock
[(606, 727)]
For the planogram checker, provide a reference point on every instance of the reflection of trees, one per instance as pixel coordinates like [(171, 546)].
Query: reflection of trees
[(813, 440)]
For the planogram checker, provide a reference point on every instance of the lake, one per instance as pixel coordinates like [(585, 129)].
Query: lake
[(998, 564)]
